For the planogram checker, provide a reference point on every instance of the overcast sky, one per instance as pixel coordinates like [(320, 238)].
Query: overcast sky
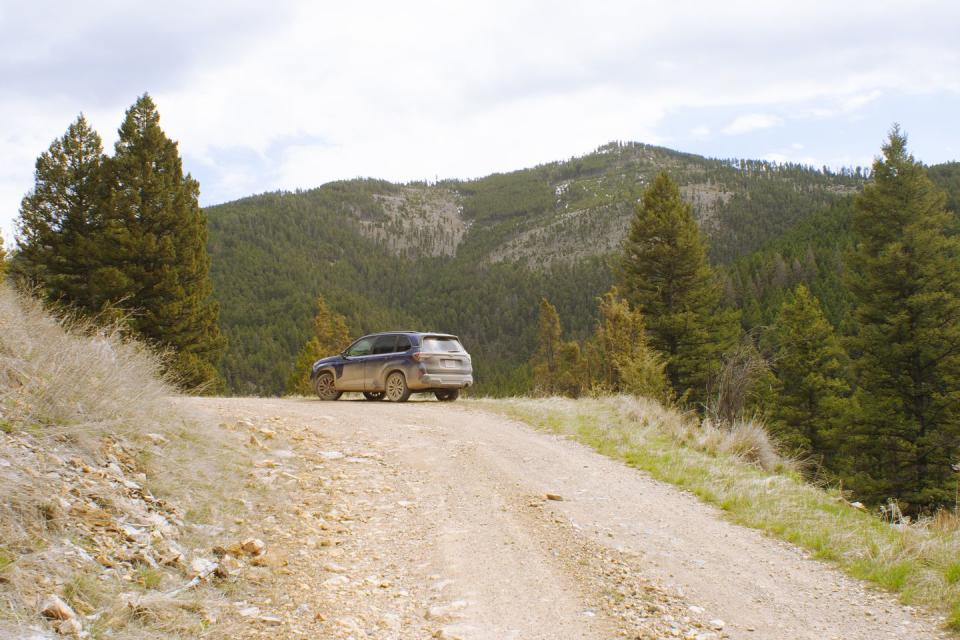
[(264, 96)]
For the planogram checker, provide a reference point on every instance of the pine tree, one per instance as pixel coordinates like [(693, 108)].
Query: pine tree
[(905, 276), (572, 379), (810, 365), (152, 257), (330, 337), (664, 273), (545, 362), (627, 364), (330, 329), (61, 216)]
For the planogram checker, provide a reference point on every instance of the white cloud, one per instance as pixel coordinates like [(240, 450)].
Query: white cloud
[(281, 95), (752, 122)]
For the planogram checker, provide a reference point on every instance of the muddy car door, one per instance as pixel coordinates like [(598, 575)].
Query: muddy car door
[(351, 379), (384, 348)]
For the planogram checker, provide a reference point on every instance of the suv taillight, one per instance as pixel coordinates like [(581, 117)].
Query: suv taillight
[(418, 356)]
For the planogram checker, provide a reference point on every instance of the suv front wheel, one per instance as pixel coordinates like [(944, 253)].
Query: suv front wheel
[(397, 389), (325, 387)]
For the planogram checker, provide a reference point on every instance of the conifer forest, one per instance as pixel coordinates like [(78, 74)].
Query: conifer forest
[(827, 302)]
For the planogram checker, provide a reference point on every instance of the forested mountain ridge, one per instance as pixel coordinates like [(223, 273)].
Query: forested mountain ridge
[(474, 257), (812, 252)]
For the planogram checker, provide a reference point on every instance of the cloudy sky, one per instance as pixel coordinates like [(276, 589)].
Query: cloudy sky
[(264, 96)]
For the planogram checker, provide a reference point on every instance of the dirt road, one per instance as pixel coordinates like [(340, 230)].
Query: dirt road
[(432, 520)]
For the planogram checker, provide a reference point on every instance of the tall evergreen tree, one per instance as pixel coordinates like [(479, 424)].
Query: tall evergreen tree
[(810, 364), (546, 360), (330, 337), (152, 258), (627, 363), (572, 378), (664, 273), (905, 276), (61, 216)]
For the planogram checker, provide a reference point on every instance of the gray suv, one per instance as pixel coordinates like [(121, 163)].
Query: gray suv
[(395, 364)]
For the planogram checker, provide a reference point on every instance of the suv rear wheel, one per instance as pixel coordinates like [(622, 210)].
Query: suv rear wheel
[(397, 389), (325, 387), (447, 395)]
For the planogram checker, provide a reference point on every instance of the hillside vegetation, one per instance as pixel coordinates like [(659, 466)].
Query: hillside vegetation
[(112, 497), (473, 257)]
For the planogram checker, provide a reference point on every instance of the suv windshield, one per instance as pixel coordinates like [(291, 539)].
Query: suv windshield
[(360, 347), (442, 345)]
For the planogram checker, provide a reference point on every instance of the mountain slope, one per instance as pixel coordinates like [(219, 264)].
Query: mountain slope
[(812, 252), (473, 257)]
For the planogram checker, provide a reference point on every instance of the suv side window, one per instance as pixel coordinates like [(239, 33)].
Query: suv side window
[(384, 344), (361, 347), (403, 344)]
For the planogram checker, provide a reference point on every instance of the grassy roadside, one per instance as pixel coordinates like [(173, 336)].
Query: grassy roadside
[(740, 472)]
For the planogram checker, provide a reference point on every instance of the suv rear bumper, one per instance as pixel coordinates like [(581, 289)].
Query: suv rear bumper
[(442, 381)]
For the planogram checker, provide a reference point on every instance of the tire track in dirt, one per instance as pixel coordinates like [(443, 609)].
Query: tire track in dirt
[(427, 519)]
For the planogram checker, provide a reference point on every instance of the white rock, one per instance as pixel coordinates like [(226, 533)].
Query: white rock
[(202, 567), (133, 533), (55, 608), (270, 621), (254, 546), (391, 621), (71, 627), (447, 612), (440, 585), (336, 581), (156, 438), (717, 624), (350, 625), (333, 567), (331, 455), (456, 632)]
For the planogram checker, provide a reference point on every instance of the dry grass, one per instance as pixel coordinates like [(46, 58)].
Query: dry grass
[(65, 374), (739, 470), (74, 396), (628, 423)]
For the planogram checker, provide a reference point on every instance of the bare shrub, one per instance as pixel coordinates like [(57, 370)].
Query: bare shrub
[(743, 371)]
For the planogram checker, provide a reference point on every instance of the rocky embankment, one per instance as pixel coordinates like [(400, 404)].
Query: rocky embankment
[(88, 546)]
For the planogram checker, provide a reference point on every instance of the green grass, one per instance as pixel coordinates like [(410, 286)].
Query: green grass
[(920, 562), (149, 578), (6, 559), (952, 572)]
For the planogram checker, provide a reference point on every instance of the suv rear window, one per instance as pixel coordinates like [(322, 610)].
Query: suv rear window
[(442, 345), (384, 344)]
